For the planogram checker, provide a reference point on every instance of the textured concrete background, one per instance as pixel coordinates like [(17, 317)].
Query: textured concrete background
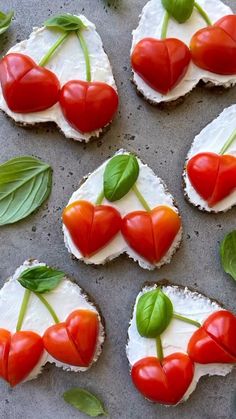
[(162, 139)]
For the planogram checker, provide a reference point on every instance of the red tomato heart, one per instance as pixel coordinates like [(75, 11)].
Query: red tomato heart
[(19, 354), (26, 86), (161, 63), (214, 48), (151, 234), (91, 227), (74, 341), (213, 176), (215, 341), (88, 106), (163, 382)]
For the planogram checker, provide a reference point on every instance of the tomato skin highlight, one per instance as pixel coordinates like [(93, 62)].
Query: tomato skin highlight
[(74, 341), (25, 352), (88, 106), (163, 382), (212, 175), (58, 344), (151, 234), (202, 171), (215, 341), (83, 328), (226, 181), (91, 227), (214, 48), (19, 354), (161, 63), (26, 86), (221, 325), (5, 343)]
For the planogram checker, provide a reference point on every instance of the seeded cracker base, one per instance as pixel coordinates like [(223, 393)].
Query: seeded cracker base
[(54, 114), (166, 283), (51, 360), (154, 11), (124, 254)]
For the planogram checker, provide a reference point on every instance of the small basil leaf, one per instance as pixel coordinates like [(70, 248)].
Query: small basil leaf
[(5, 21), (120, 175), (84, 401), (154, 313), (25, 183), (40, 279), (180, 10), (65, 22), (228, 254)]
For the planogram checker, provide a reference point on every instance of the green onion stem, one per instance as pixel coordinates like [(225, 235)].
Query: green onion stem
[(141, 198), (165, 25), (86, 55), (52, 50), (202, 12), (228, 143), (160, 354), (48, 307), (100, 198), (186, 320), (23, 309)]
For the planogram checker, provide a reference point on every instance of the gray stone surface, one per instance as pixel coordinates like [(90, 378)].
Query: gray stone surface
[(162, 139)]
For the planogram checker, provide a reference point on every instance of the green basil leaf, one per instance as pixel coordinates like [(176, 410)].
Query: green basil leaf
[(25, 183), (5, 21), (120, 175), (84, 401), (228, 254), (154, 313), (180, 10), (40, 278), (65, 22)]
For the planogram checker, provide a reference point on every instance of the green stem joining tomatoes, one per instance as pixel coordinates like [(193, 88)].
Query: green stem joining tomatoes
[(86, 55), (228, 143), (100, 198), (23, 309), (141, 198), (88, 106), (203, 13), (213, 175), (48, 307), (53, 49), (160, 354), (165, 25), (186, 320)]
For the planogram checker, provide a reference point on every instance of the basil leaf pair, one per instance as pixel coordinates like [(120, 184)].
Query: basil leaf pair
[(153, 314), (120, 175), (25, 183), (40, 279), (5, 21), (66, 22), (228, 254), (180, 10), (84, 401)]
